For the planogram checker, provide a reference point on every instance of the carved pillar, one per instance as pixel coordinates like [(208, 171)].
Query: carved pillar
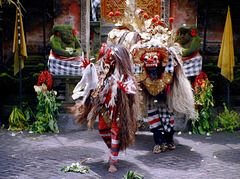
[(88, 28), (83, 24), (166, 10)]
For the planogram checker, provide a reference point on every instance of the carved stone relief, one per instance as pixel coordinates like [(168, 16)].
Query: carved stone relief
[(152, 8)]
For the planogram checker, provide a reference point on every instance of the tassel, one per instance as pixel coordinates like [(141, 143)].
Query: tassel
[(167, 89)]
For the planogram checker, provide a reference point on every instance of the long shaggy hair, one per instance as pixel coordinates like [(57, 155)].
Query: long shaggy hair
[(127, 105), (181, 98)]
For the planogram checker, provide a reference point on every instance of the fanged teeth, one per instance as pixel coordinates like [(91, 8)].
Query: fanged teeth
[(151, 65)]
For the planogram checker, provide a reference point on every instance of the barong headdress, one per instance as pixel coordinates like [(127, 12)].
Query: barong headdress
[(155, 37)]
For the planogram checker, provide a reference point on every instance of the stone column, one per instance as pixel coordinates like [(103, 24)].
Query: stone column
[(85, 26), (88, 28)]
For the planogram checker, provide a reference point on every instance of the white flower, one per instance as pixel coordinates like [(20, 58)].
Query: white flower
[(55, 92), (37, 89), (44, 87)]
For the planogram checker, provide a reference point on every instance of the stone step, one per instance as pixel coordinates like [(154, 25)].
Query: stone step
[(66, 120)]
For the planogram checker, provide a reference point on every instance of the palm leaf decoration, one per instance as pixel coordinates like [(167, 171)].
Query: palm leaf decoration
[(17, 120)]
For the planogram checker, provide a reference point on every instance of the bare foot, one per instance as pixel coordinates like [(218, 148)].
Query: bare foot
[(112, 168)]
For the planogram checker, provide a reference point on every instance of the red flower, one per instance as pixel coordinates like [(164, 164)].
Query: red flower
[(159, 22), (171, 19), (45, 77), (110, 14), (74, 32), (200, 79), (58, 33), (145, 16), (117, 13), (177, 32), (141, 11), (154, 20), (193, 32)]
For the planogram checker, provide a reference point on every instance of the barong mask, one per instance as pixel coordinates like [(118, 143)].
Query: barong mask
[(153, 60)]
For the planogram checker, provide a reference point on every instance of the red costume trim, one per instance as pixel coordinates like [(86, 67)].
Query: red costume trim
[(190, 57), (77, 58)]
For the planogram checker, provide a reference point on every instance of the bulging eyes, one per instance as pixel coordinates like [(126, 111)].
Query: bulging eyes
[(155, 57), (146, 58)]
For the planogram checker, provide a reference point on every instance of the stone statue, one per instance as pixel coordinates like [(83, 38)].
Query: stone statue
[(190, 42), (64, 41), (65, 55)]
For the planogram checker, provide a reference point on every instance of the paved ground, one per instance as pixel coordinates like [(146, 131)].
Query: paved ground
[(42, 156)]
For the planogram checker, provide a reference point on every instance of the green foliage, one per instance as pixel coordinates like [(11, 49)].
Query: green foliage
[(132, 175), (17, 120), (29, 114), (75, 167), (229, 120), (47, 110), (2, 75), (204, 105)]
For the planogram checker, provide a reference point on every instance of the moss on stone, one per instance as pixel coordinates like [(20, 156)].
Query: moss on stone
[(64, 42), (189, 42)]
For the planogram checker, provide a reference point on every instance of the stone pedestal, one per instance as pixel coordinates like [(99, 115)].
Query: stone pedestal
[(64, 86)]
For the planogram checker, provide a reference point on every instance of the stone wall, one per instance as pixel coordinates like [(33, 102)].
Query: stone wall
[(33, 25), (184, 12), (68, 12)]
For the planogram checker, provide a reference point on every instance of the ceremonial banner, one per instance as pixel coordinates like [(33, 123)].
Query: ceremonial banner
[(16, 42), (226, 57)]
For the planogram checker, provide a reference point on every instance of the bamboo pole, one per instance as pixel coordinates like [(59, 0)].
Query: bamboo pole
[(19, 57), (44, 34)]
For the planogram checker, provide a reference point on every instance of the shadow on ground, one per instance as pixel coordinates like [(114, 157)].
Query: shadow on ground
[(100, 166), (182, 158)]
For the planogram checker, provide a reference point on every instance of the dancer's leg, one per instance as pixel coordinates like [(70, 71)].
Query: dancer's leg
[(115, 142), (105, 132)]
